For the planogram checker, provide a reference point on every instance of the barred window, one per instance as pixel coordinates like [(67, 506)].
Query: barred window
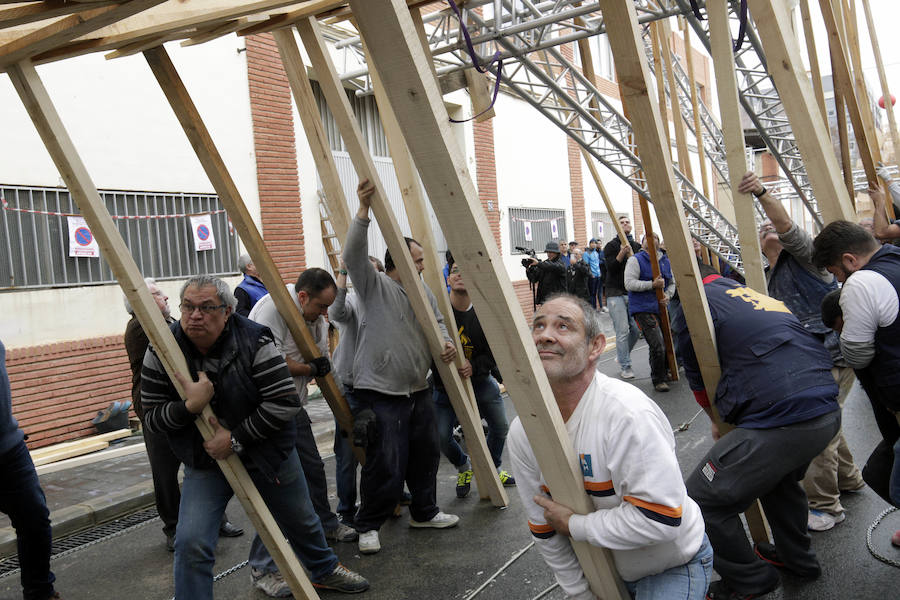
[(155, 226), (541, 222)]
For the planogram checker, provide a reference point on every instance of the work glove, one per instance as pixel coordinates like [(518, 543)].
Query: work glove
[(320, 366), (883, 172)]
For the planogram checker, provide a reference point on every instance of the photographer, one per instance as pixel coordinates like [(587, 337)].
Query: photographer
[(549, 275)]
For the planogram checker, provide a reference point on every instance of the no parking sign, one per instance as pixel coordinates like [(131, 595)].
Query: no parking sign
[(204, 239), (81, 240)]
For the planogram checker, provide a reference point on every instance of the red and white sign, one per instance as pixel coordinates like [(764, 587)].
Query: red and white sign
[(81, 240), (204, 239)]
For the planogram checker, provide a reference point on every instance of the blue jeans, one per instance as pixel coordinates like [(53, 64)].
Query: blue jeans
[(627, 332), (204, 494), (405, 446), (490, 406), (684, 582), (345, 469), (22, 498), (595, 291)]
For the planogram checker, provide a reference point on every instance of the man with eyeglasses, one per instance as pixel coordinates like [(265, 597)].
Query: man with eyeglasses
[(313, 293), (236, 368), (164, 464)]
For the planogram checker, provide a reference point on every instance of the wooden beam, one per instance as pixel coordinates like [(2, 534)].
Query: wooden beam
[(695, 104), (88, 459), (885, 92), (729, 108), (398, 55), (866, 145), (840, 89), (301, 88), (103, 437), (656, 42), (31, 12), (773, 25), (339, 104), (479, 92), (200, 139), (68, 28), (221, 30), (55, 137), (70, 452), (684, 157), (813, 56)]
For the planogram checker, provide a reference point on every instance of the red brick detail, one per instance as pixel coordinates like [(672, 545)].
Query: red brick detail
[(58, 388), (526, 300), (486, 175), (276, 156), (576, 184)]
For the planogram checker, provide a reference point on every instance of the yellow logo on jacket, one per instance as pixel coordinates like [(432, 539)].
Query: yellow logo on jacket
[(759, 301)]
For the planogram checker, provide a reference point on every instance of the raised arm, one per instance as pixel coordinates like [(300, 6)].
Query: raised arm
[(750, 184)]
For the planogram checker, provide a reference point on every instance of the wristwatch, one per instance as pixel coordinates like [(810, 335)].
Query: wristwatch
[(236, 446)]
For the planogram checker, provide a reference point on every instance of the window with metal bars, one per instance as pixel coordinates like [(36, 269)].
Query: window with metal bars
[(34, 250), (540, 221)]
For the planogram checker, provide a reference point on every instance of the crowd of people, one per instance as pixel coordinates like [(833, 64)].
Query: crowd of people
[(788, 360)]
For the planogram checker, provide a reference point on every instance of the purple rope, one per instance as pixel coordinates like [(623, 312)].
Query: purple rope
[(696, 8), (476, 62), (742, 30)]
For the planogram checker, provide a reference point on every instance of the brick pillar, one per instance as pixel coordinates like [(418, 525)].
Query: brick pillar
[(576, 179), (276, 156), (486, 175)]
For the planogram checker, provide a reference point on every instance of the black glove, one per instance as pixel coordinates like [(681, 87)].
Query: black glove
[(364, 428), (320, 366)]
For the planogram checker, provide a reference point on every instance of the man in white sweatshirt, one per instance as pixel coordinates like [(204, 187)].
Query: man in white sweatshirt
[(627, 454)]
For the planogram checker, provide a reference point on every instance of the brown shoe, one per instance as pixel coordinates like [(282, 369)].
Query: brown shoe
[(662, 386)]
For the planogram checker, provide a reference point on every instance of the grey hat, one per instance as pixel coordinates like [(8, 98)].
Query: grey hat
[(552, 247)]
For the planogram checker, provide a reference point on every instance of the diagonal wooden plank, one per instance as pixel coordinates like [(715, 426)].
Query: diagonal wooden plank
[(69, 28), (729, 108), (773, 24), (55, 137), (32, 12), (398, 55), (215, 169), (482, 464), (311, 120)]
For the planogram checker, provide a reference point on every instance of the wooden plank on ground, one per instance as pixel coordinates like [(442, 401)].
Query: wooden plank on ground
[(70, 452), (339, 104), (218, 174), (729, 108), (398, 55), (103, 437), (88, 459), (773, 24), (43, 114)]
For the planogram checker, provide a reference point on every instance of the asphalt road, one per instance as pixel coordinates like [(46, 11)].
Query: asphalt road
[(452, 563)]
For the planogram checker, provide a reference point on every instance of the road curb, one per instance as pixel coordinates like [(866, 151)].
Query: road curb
[(72, 519)]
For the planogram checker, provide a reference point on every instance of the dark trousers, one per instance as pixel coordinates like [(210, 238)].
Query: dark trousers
[(22, 498), (595, 292), (649, 324), (768, 464), (314, 470), (164, 467), (345, 473), (405, 448)]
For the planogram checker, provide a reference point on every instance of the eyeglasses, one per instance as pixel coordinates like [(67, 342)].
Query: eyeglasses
[(206, 309)]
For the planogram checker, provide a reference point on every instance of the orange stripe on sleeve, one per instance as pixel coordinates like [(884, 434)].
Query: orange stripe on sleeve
[(667, 511)]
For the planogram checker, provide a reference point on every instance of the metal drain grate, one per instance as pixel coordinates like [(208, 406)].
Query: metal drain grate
[(89, 537)]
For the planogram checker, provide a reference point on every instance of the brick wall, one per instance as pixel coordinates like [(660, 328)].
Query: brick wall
[(526, 300), (276, 156), (58, 388), (486, 174)]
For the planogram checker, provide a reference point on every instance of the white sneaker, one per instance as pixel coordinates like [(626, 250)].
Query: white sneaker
[(627, 373), (438, 521), (272, 585), (369, 542), (604, 309), (819, 520)]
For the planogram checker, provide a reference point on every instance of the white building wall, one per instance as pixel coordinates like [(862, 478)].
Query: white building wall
[(128, 137)]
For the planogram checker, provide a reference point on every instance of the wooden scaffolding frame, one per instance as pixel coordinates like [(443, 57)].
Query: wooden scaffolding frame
[(35, 32)]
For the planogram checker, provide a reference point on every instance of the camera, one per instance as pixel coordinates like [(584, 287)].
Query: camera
[(526, 262)]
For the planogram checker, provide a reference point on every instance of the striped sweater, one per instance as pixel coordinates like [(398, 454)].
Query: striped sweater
[(627, 453), (254, 394)]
